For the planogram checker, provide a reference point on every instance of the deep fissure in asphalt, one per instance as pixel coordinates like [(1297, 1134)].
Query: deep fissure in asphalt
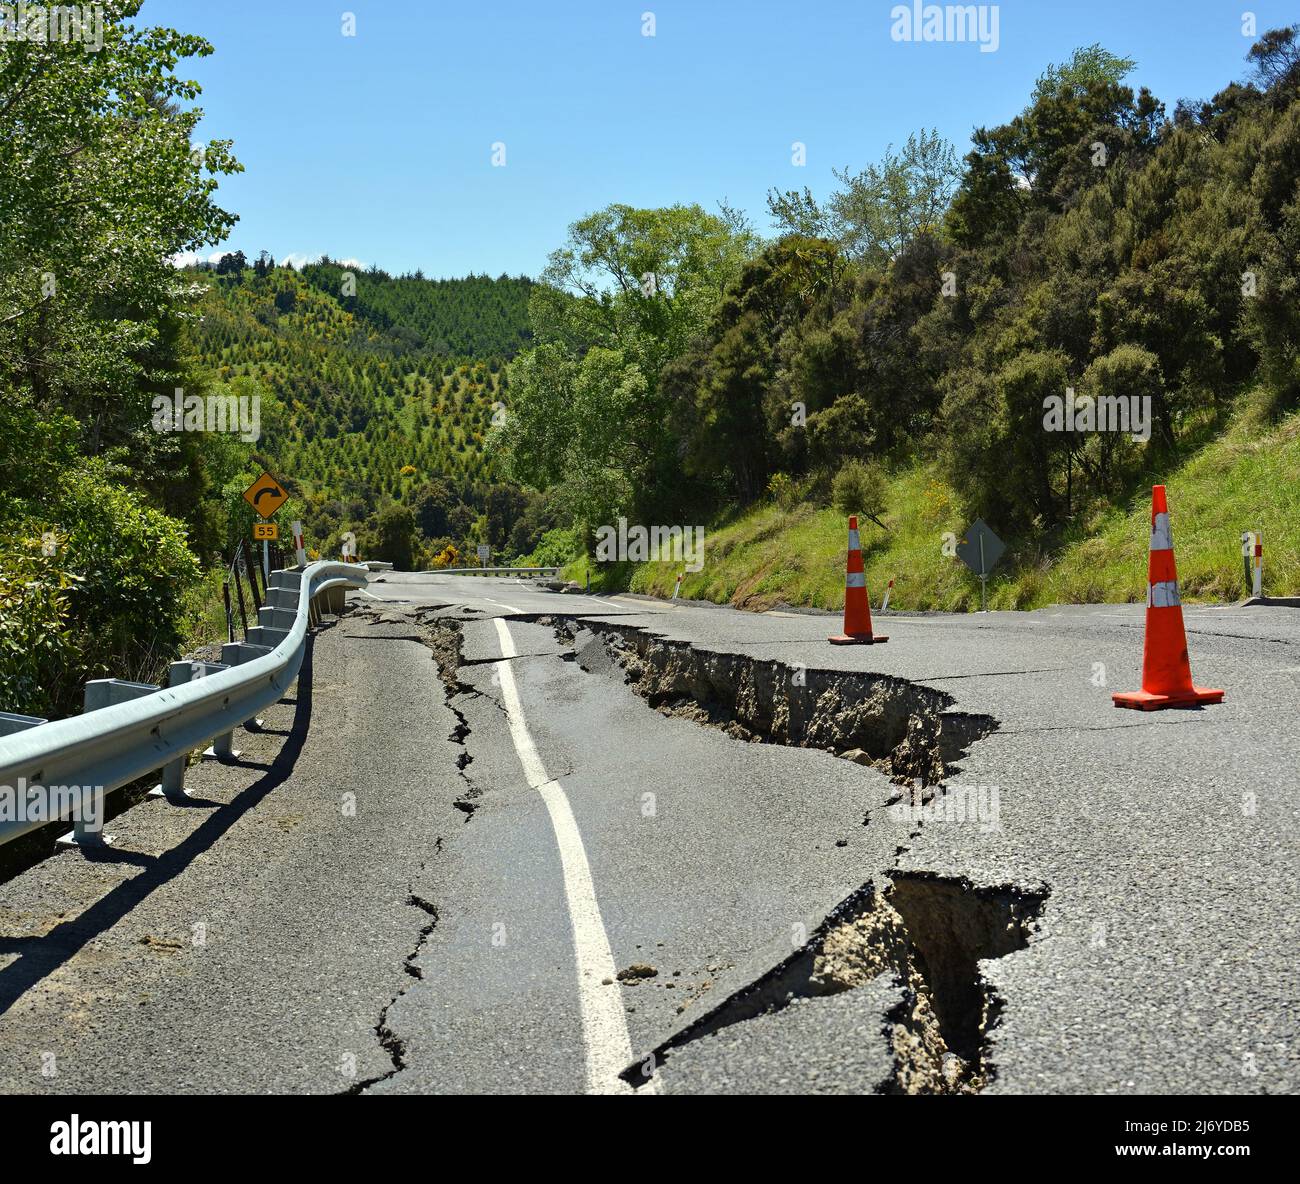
[(927, 933), (901, 728)]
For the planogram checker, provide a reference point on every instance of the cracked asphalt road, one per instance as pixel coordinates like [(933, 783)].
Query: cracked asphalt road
[(423, 941)]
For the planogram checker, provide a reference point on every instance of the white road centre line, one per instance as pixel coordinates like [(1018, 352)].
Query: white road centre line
[(604, 1023), (499, 604)]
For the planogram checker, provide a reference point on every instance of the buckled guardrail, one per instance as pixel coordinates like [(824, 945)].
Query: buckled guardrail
[(130, 729)]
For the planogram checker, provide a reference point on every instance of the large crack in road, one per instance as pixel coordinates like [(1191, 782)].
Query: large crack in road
[(928, 933), (904, 729), (925, 933), (389, 1040)]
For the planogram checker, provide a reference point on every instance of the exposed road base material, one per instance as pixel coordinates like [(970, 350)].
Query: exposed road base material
[(903, 728), (928, 934)]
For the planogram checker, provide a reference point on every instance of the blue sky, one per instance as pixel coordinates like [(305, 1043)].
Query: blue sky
[(378, 147)]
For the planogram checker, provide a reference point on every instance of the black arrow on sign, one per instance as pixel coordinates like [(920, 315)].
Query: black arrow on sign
[(261, 493)]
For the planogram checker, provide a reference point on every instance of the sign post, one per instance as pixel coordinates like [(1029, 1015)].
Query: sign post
[(266, 496), (266, 533), (484, 554), (980, 550)]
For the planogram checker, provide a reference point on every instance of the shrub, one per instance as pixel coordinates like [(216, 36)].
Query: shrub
[(783, 491), (860, 488), (135, 569), (556, 548), (109, 601), (40, 661)]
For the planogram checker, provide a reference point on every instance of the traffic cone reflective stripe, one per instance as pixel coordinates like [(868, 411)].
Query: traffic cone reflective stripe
[(1164, 595), (857, 610), (1166, 670)]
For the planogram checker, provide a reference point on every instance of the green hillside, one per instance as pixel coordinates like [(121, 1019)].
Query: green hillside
[(774, 555), (474, 317), (364, 413)]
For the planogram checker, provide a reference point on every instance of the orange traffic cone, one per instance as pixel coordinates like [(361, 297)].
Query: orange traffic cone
[(857, 611), (1166, 672)]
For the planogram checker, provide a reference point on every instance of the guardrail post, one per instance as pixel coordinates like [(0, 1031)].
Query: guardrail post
[(223, 748), (108, 692), (263, 635), (172, 786), (100, 693), (278, 618), (238, 652)]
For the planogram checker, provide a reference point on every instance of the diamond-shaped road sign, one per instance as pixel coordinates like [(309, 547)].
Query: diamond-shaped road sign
[(980, 549), (265, 495)]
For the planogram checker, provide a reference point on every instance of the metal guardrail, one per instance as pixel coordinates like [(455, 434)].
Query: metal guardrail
[(143, 728), (489, 571)]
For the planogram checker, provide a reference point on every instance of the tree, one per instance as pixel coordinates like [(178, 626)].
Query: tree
[(504, 504), (628, 291), (1088, 67), (432, 505), (1046, 155), (1276, 58), (643, 281), (232, 263), (580, 426), (878, 211), (461, 521), (395, 537), (99, 186)]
